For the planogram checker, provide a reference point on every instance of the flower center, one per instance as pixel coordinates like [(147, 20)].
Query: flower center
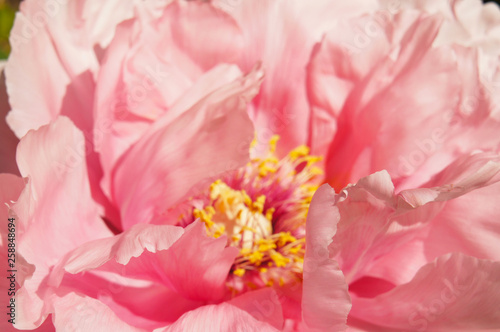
[(262, 210)]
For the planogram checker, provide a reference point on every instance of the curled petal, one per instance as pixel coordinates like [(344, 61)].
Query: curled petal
[(326, 301)]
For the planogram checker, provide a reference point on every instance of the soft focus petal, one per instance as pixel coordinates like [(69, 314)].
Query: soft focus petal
[(126, 273), (222, 317), (56, 175), (263, 304), (364, 212), (198, 265), (164, 165), (47, 208), (331, 75), (62, 35), (281, 35), (455, 292), (10, 189), (121, 249), (148, 67), (468, 224), (377, 112), (191, 266), (52, 32), (87, 314), (115, 128), (421, 224), (463, 175)]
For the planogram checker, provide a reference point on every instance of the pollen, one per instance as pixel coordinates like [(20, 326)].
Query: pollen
[(285, 238), (255, 257), (279, 260), (269, 213), (239, 272), (261, 209), (258, 205), (272, 143), (266, 245), (300, 151)]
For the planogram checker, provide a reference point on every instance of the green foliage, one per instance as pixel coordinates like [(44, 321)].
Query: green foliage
[(7, 13)]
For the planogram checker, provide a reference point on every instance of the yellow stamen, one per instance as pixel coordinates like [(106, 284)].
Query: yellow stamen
[(266, 245), (265, 169), (273, 142), (295, 250), (245, 251), (300, 151), (255, 257), (269, 213), (285, 238), (219, 232), (279, 260), (268, 250), (258, 205), (239, 272)]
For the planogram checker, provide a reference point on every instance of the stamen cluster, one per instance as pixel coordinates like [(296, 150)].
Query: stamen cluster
[(262, 210)]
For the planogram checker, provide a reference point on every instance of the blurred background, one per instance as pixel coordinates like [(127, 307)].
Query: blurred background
[(8, 9)]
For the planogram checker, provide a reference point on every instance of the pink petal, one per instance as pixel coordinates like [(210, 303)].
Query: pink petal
[(194, 265), (326, 301), (163, 166), (454, 214), (282, 34), (198, 265), (10, 189), (465, 174), (116, 127), (148, 67), (127, 273), (364, 210), (222, 317), (263, 304), (54, 32), (455, 292), (120, 249), (145, 307), (206, 34), (65, 83), (157, 62), (331, 75), (186, 266), (365, 130), (75, 312), (468, 224), (51, 158)]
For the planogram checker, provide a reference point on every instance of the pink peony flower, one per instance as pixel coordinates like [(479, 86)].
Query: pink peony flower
[(170, 151)]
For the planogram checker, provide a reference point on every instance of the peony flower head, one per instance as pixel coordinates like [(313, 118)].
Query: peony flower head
[(254, 165)]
